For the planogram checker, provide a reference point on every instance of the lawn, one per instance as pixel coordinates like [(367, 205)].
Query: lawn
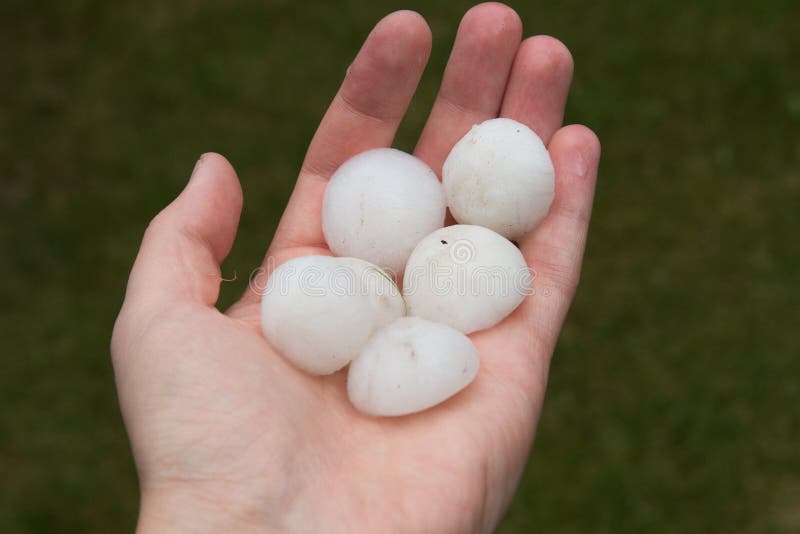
[(675, 391)]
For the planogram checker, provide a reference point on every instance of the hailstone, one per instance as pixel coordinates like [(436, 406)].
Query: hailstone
[(319, 311), (468, 277), (499, 176), (409, 366), (379, 204)]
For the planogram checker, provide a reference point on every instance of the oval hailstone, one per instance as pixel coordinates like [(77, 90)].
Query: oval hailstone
[(379, 204), (499, 176), (409, 366), (468, 277), (319, 311)]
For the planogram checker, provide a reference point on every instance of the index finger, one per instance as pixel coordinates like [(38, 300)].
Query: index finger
[(364, 114)]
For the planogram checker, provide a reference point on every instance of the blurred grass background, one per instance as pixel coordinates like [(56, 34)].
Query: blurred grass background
[(674, 394)]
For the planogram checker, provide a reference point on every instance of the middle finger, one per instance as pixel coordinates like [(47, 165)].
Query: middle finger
[(474, 80)]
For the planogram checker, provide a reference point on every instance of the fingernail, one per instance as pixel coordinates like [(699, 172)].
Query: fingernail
[(196, 167), (577, 164)]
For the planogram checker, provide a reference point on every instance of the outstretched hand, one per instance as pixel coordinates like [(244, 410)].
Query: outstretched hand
[(227, 436)]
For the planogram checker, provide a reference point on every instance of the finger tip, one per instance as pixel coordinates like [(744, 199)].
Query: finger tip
[(539, 85), (493, 20), (216, 161), (384, 75), (410, 19), (407, 27), (577, 137), (226, 187), (548, 57), (399, 46)]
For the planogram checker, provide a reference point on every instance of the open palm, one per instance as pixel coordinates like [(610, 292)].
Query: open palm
[(227, 435)]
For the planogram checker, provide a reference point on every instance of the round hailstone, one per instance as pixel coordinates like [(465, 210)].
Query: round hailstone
[(468, 277), (379, 204), (319, 312), (409, 366), (499, 176)]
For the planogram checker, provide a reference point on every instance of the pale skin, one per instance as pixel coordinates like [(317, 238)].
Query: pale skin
[(228, 437)]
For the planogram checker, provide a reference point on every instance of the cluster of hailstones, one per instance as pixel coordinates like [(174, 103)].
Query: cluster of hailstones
[(383, 217)]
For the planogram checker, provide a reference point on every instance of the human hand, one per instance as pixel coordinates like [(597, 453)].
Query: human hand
[(228, 436)]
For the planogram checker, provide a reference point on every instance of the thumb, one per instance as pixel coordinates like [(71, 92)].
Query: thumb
[(183, 246)]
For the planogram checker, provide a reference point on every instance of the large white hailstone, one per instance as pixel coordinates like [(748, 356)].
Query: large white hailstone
[(468, 277), (409, 366), (499, 176), (319, 311), (379, 204)]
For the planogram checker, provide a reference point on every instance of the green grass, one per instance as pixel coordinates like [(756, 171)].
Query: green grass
[(674, 394)]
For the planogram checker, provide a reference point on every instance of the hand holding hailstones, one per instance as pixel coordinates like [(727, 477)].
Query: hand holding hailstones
[(384, 211)]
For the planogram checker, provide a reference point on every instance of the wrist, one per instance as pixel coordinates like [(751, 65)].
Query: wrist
[(195, 509)]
